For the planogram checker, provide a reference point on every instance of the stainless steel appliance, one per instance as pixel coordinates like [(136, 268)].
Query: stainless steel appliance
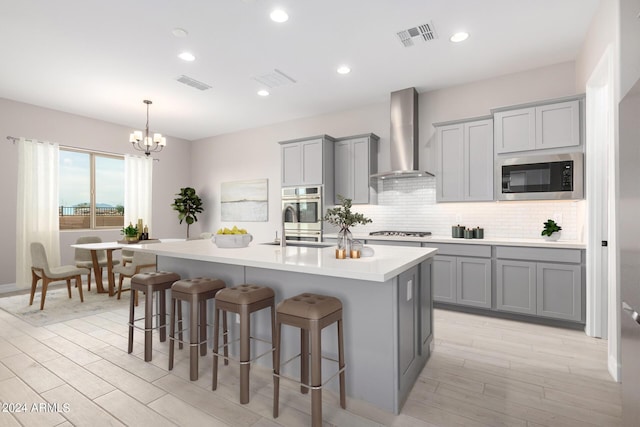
[(629, 242), (550, 177), (302, 213), (401, 233)]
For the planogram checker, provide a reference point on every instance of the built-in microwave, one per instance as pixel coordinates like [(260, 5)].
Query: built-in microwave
[(550, 177)]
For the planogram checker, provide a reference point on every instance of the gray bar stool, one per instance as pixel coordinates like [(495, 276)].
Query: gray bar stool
[(243, 300), (311, 313), (196, 292), (150, 283)]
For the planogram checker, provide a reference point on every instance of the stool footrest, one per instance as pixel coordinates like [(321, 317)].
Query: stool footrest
[(338, 372), (222, 347)]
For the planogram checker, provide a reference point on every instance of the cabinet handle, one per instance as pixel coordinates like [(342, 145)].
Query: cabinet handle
[(631, 312)]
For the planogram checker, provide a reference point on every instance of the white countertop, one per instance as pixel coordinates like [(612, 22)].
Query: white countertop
[(386, 263), (540, 243)]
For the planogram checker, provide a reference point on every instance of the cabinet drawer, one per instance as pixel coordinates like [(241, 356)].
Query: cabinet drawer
[(460, 249), (539, 254)]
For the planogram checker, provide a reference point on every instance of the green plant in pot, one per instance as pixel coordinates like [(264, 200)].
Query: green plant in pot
[(130, 232), (188, 204), (551, 230), (342, 216)]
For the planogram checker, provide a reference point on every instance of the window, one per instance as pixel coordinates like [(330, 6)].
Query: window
[(91, 190)]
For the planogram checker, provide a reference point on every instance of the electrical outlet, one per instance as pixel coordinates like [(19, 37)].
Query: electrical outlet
[(557, 217), (237, 318), (409, 290)]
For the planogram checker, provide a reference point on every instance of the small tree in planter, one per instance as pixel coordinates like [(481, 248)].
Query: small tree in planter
[(188, 204)]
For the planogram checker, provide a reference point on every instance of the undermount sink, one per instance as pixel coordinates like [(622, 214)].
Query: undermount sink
[(301, 244)]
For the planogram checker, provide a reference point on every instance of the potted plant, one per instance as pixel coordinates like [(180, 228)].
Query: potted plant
[(130, 233), (551, 230), (342, 216), (188, 204)]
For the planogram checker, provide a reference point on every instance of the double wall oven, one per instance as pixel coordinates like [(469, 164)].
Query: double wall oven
[(302, 213)]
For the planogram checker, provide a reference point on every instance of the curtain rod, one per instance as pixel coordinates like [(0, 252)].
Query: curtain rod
[(13, 140)]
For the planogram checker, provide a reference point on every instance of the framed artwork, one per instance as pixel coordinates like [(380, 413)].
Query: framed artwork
[(245, 200)]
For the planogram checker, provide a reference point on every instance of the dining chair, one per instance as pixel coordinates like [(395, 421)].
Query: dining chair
[(127, 256), (40, 269), (141, 262), (83, 257)]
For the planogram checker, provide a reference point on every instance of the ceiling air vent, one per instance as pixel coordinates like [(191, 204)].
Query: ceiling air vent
[(275, 78), (193, 83), (424, 32)]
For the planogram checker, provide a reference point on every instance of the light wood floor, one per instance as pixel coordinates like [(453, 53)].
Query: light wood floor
[(484, 372)]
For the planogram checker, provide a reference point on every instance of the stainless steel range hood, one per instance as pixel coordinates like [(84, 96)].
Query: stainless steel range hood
[(404, 136)]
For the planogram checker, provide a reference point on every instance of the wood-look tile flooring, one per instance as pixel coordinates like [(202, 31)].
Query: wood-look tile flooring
[(484, 372)]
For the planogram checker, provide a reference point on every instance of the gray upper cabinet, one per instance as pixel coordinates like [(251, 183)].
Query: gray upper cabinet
[(540, 127), (307, 161), (356, 157), (464, 165)]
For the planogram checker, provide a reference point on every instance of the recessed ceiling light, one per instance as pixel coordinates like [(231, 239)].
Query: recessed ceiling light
[(343, 69), (186, 56), (459, 37), (263, 92), (279, 15), (179, 32)]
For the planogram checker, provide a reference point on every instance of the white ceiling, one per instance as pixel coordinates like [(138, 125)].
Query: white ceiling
[(100, 59)]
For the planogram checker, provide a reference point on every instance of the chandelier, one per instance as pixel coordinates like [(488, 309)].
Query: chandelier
[(147, 144)]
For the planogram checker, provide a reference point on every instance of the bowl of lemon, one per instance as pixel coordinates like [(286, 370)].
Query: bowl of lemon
[(232, 238)]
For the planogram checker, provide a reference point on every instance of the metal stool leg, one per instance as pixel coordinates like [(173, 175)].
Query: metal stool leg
[(316, 375), (225, 337), (131, 319), (202, 308), (163, 315), (276, 369), (172, 332), (193, 340), (343, 399), (216, 337), (304, 360), (148, 324), (180, 326), (245, 353)]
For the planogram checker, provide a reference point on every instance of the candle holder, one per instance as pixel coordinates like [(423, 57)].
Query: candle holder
[(355, 253), (341, 253)]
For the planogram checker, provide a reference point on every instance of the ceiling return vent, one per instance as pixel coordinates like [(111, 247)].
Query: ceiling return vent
[(275, 78), (193, 82), (424, 33)]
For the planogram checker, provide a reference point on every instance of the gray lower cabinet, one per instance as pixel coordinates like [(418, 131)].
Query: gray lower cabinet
[(464, 280), (546, 289), (516, 286), (559, 291), (407, 313)]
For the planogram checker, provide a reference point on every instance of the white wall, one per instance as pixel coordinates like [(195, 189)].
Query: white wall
[(19, 119), (629, 44), (255, 153)]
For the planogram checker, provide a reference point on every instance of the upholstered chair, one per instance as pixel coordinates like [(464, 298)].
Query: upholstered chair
[(141, 262), (40, 269)]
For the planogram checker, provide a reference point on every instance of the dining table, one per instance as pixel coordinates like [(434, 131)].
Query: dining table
[(108, 247)]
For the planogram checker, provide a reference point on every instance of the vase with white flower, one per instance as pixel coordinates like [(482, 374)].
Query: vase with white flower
[(342, 216)]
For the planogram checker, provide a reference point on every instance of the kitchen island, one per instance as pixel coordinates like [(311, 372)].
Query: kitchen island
[(387, 306)]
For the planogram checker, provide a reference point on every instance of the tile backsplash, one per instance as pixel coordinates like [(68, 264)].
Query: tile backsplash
[(410, 205)]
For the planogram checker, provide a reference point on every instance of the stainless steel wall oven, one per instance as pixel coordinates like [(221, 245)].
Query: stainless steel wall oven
[(302, 213)]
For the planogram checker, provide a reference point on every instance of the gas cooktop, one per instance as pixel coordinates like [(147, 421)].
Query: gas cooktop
[(401, 233)]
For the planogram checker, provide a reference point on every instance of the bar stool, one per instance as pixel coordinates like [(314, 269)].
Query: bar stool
[(311, 313), (196, 292), (243, 300), (150, 283)]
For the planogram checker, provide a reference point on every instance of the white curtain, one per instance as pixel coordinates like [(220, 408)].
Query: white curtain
[(37, 207), (138, 172)]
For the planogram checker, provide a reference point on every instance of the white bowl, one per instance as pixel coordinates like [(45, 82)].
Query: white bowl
[(232, 240)]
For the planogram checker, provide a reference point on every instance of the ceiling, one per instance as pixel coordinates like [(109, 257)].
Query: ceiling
[(100, 59)]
